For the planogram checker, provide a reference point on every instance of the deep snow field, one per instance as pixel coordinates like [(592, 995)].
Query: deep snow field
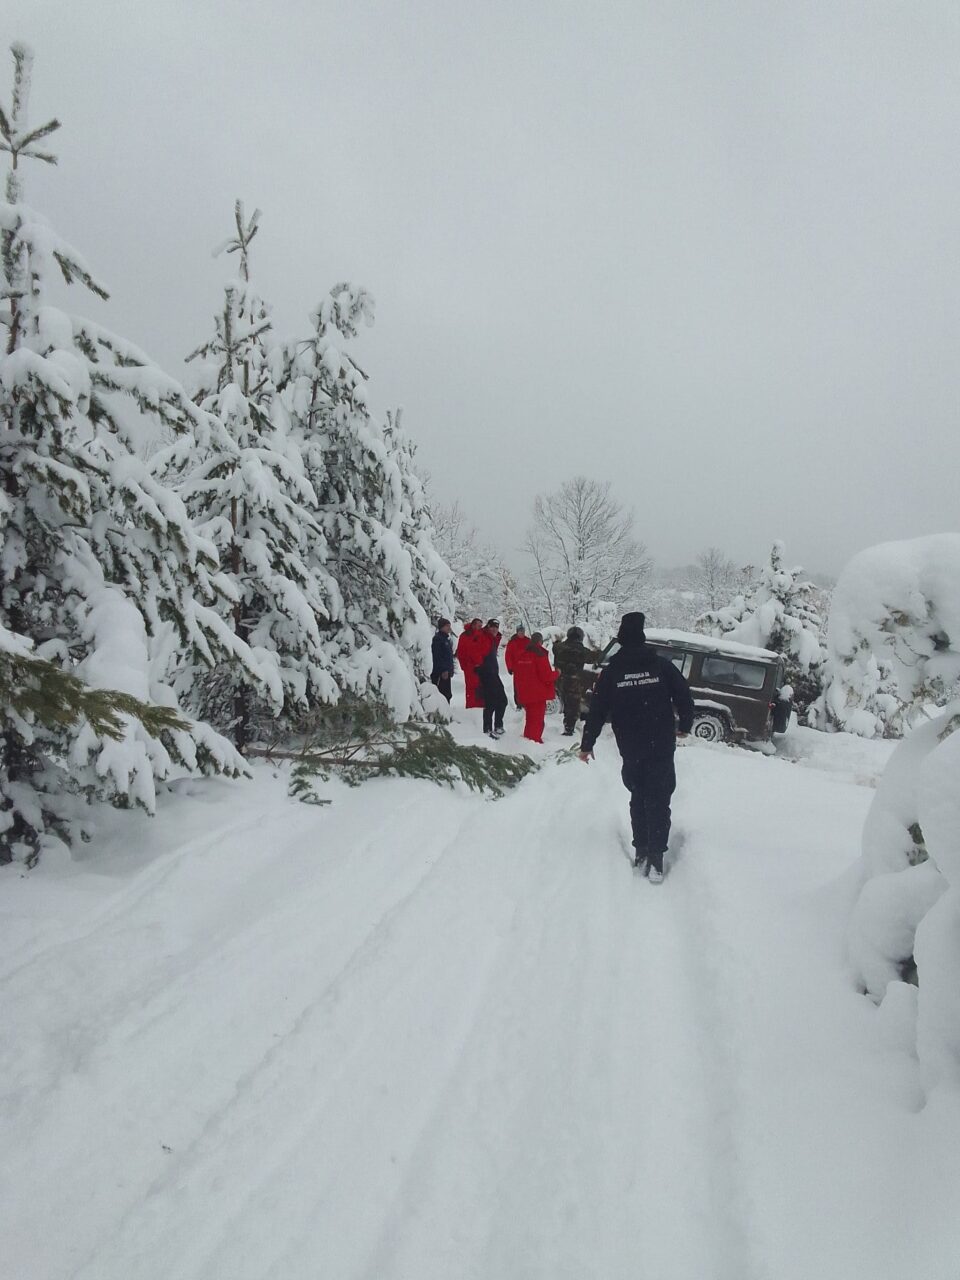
[(420, 1034)]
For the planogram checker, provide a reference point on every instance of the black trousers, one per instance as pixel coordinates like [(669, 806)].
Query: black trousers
[(651, 782), (494, 702), (442, 680)]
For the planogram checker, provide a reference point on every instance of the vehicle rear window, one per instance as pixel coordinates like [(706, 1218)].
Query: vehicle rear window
[(734, 671), (681, 660)]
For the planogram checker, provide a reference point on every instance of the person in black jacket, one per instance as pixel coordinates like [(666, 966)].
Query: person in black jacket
[(638, 692), (491, 686), (442, 647)]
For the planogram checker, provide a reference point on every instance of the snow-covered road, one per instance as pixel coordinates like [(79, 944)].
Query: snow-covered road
[(421, 1035)]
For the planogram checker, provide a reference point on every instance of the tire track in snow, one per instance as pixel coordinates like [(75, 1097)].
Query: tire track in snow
[(167, 1020), (705, 956), (549, 1158), (142, 886), (322, 1059), (461, 1149), (508, 1075)]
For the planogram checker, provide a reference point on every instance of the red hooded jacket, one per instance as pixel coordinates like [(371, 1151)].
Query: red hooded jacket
[(469, 655), (515, 646), (535, 679)]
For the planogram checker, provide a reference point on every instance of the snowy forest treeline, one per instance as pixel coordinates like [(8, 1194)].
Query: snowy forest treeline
[(872, 654), (188, 574)]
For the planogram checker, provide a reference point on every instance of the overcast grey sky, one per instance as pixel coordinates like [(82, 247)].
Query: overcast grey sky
[(706, 251)]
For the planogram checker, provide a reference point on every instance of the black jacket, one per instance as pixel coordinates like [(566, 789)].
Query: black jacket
[(489, 668), (442, 649), (637, 692)]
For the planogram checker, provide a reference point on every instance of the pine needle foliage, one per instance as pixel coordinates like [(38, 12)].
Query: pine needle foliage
[(365, 744), (41, 693), (417, 751), (38, 697)]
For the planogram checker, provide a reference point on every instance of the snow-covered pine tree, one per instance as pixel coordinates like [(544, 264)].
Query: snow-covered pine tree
[(100, 564), (363, 484), (432, 581), (250, 496), (778, 612)]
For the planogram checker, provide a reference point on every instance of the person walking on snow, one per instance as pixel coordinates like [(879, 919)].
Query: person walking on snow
[(570, 656), (638, 692), (468, 657), (534, 680), (442, 649), (515, 646), (491, 686)]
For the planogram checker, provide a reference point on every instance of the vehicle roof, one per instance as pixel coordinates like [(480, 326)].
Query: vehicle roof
[(708, 644)]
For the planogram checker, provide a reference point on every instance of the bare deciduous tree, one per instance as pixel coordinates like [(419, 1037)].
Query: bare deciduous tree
[(715, 577), (583, 550), (482, 583)]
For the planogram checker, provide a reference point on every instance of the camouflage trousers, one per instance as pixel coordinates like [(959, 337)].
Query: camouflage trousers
[(570, 693)]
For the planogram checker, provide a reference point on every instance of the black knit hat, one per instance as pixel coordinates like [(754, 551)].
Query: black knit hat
[(631, 629)]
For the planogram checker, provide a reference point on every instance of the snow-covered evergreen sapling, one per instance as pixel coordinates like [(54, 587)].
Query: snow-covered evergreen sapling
[(778, 612), (432, 579), (249, 494), (101, 571), (370, 509)]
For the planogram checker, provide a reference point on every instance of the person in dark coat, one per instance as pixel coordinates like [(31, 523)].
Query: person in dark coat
[(639, 692), (491, 686), (514, 647), (534, 680), (570, 656), (442, 647)]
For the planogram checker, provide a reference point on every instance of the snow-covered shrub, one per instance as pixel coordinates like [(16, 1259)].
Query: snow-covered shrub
[(602, 624), (893, 639), (101, 568), (778, 612), (905, 924)]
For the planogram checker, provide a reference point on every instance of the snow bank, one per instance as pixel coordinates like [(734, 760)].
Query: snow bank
[(905, 922)]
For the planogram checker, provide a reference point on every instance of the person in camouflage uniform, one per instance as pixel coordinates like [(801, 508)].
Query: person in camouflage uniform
[(570, 656)]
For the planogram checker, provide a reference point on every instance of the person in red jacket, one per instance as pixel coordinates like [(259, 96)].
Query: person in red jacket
[(515, 646), (468, 656), (535, 680)]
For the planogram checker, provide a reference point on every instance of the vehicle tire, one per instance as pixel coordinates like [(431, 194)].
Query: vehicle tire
[(710, 727)]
